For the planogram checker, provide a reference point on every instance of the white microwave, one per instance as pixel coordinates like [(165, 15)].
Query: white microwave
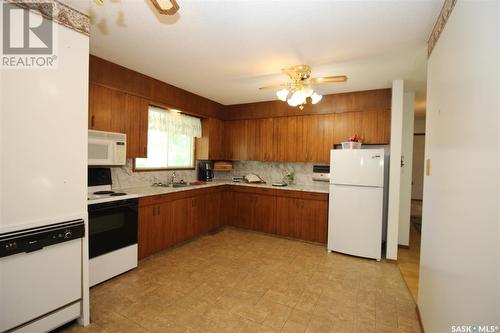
[(107, 148)]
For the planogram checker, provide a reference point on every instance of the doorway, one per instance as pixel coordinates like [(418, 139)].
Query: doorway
[(409, 256)]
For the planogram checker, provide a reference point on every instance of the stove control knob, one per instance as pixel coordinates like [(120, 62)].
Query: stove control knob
[(67, 234)]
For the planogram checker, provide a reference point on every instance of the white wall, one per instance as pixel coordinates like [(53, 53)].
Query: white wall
[(460, 251), (406, 169), (395, 169)]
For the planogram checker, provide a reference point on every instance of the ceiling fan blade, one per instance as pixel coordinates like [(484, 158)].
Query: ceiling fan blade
[(328, 79), (276, 86)]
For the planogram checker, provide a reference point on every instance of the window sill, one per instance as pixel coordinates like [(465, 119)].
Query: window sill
[(163, 169)]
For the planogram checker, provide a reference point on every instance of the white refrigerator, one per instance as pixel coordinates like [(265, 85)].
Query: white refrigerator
[(356, 202)]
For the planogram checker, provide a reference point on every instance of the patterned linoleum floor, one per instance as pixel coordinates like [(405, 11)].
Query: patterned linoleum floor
[(238, 281)]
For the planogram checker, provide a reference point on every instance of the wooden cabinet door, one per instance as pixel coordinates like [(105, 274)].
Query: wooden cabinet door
[(236, 139), (228, 208), (216, 140), (251, 139), (244, 203), (313, 220), (135, 116), (326, 123), (99, 107), (264, 138), (286, 138), (287, 216), (181, 219), (310, 140), (214, 210), (201, 214), (151, 230), (264, 216)]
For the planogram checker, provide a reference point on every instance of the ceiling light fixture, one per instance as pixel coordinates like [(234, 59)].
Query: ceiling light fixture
[(300, 91), (165, 7)]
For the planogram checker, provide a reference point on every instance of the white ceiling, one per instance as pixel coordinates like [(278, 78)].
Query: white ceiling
[(226, 50)]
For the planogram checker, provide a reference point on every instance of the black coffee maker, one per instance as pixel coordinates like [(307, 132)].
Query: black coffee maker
[(205, 171)]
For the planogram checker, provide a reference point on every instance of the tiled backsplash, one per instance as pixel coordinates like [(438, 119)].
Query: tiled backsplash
[(271, 171), (124, 177)]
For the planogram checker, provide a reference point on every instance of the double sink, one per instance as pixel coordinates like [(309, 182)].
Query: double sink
[(174, 185)]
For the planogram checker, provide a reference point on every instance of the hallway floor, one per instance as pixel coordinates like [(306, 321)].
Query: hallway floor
[(409, 259)]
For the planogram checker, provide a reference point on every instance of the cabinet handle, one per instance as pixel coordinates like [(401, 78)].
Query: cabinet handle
[(92, 121), (145, 151)]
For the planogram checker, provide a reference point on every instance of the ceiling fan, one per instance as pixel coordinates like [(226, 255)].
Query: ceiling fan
[(297, 92), (165, 7)]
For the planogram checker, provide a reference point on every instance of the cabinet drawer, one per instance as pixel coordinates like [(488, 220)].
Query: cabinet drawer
[(302, 195)]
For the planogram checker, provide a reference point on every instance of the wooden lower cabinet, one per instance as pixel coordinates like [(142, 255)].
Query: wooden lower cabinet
[(178, 217), (302, 218), (155, 229), (176, 220)]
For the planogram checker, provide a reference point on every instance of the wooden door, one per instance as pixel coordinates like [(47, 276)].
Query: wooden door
[(264, 216), (286, 138), (135, 114), (251, 139), (216, 140), (228, 208), (347, 124), (202, 219), (214, 210), (287, 216), (313, 223), (311, 137), (327, 124), (244, 203), (99, 107), (236, 138), (181, 219), (151, 230), (264, 139)]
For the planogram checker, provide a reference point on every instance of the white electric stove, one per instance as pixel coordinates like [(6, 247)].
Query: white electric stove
[(112, 227)]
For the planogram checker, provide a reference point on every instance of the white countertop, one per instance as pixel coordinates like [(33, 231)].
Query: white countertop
[(144, 191)]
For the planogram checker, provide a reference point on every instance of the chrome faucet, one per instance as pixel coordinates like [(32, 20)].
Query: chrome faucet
[(173, 178)]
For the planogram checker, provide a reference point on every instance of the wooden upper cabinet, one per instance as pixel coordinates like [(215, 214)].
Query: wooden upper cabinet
[(285, 138), (236, 139), (211, 145), (100, 107), (136, 125), (114, 111), (307, 138), (264, 139)]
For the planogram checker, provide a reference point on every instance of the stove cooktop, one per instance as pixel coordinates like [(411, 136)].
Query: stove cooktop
[(99, 194)]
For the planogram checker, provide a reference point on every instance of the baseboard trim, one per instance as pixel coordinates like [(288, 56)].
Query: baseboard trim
[(391, 261), (419, 318), (404, 246)]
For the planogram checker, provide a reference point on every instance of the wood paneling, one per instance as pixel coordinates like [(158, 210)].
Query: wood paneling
[(114, 76), (370, 100)]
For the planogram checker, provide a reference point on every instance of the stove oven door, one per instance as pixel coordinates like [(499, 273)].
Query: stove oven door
[(112, 226)]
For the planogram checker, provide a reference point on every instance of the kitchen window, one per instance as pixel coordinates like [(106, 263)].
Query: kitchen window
[(171, 138)]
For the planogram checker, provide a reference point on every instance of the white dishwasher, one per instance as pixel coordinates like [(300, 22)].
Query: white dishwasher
[(40, 275)]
